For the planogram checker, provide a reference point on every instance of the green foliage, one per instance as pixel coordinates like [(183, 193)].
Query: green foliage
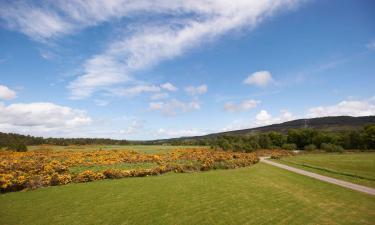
[(289, 146), (301, 137), (17, 146), (264, 141), (304, 139), (8, 140), (331, 147), (277, 139), (369, 137), (310, 147)]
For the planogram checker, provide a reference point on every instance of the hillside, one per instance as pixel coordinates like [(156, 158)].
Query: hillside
[(332, 123)]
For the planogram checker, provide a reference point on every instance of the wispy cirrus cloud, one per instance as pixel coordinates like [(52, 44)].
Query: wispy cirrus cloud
[(175, 27)]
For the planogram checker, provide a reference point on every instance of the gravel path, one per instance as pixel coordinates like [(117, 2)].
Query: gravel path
[(342, 183)]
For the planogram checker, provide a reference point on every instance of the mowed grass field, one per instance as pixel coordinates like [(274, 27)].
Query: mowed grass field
[(260, 194), (353, 167), (151, 149)]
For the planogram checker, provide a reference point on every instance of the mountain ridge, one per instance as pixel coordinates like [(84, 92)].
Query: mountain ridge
[(328, 123)]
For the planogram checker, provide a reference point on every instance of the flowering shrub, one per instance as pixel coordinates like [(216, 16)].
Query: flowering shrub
[(34, 169), (275, 153)]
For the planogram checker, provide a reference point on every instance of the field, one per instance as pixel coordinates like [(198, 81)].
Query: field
[(260, 194), (353, 167)]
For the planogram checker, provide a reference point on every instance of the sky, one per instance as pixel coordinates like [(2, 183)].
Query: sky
[(145, 69)]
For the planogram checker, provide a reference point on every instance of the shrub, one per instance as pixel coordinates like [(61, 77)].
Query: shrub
[(310, 147), (57, 179), (289, 146), (17, 146), (115, 173), (331, 147), (87, 176)]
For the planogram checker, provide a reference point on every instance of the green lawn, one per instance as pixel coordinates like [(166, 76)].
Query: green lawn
[(151, 149), (353, 167), (261, 194)]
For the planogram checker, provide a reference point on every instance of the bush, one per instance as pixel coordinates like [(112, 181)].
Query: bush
[(331, 147), (289, 146), (87, 176), (17, 146), (310, 147)]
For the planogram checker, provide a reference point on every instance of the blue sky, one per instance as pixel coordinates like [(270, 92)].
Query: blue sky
[(159, 69)]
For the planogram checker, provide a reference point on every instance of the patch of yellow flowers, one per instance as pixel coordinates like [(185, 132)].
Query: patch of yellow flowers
[(34, 169)]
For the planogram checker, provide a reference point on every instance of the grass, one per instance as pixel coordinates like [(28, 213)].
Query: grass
[(353, 167), (151, 149), (260, 194)]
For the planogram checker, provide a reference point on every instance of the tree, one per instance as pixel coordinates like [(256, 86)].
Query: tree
[(369, 137), (264, 141), (277, 139)]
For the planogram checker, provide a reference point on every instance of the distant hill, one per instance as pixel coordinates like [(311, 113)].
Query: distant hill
[(334, 123), (331, 123)]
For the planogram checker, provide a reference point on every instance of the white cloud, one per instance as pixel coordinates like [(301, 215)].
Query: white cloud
[(260, 78), (238, 124), (144, 42), (100, 102), (263, 118), (135, 127), (168, 86), (371, 45), (136, 90), (172, 107), (100, 71), (173, 133), (191, 90), (243, 106), (41, 116), (345, 108), (6, 93), (159, 96)]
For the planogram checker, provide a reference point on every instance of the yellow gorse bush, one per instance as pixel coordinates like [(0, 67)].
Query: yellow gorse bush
[(34, 169)]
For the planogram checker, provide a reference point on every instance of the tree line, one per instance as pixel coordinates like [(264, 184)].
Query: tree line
[(20, 142), (301, 139)]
